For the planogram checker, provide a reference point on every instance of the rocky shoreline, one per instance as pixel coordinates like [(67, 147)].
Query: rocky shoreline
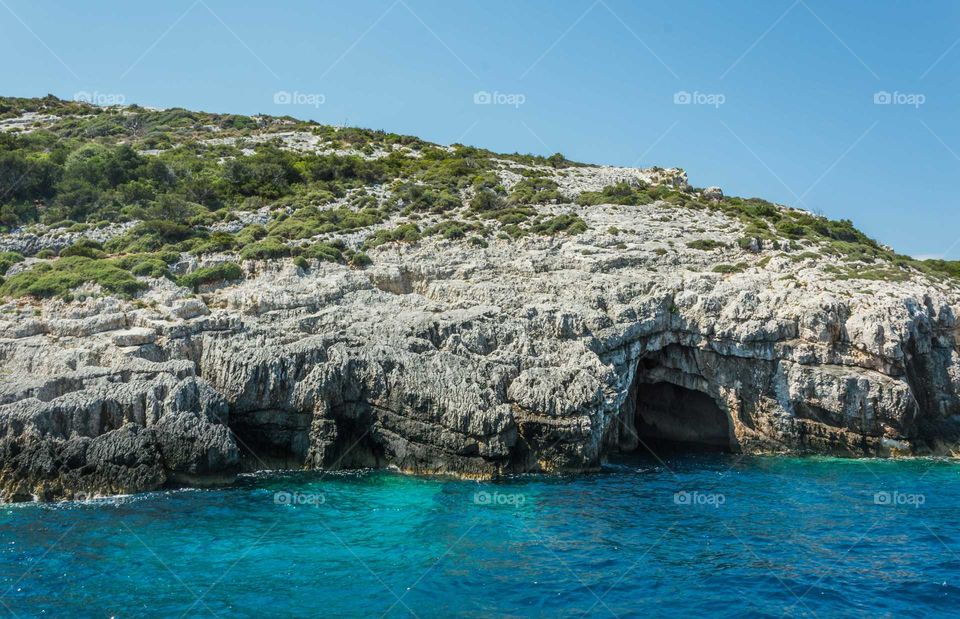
[(537, 355), (437, 310)]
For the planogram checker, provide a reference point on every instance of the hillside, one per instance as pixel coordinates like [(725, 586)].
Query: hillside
[(188, 295)]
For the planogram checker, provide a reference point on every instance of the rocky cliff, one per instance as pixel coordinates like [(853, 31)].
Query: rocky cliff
[(654, 325)]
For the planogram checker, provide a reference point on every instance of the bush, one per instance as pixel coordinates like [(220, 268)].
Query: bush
[(535, 191), (566, 223), (148, 264), (408, 233), (623, 193), (8, 259), (215, 242), (731, 268), (65, 274), (225, 271), (265, 250), (705, 244), (310, 221), (360, 259), (301, 263), (85, 248), (327, 252)]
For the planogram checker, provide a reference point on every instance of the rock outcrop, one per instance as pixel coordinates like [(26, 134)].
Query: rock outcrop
[(532, 355)]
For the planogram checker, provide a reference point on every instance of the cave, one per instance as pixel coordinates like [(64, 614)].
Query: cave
[(671, 418), (670, 408)]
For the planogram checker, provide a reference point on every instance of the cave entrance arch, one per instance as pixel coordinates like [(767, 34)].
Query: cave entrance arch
[(670, 406)]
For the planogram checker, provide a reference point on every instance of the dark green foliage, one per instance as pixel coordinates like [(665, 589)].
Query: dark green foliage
[(566, 223), (148, 264), (216, 242), (705, 244), (452, 229), (408, 233), (488, 204), (311, 221), (84, 247), (536, 190), (224, 271), (266, 249), (149, 236), (622, 193), (301, 263), (269, 173), (360, 260), (8, 259), (416, 198), (731, 268), (328, 252)]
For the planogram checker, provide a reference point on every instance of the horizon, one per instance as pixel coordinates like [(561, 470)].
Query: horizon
[(795, 102)]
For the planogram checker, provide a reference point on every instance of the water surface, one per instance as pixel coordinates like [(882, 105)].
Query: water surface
[(691, 536)]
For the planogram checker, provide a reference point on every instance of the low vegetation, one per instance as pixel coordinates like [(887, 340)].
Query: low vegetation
[(186, 179)]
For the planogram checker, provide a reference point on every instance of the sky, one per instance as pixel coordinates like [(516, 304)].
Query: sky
[(847, 108)]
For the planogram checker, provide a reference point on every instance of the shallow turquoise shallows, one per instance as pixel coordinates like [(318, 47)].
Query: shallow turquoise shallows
[(695, 536)]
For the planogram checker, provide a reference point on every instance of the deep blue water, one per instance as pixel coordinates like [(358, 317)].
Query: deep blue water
[(762, 537)]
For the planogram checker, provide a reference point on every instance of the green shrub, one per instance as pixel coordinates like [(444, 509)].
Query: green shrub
[(148, 264), (301, 263), (360, 259), (536, 190), (566, 223), (705, 244), (265, 250), (45, 254), (417, 198), (215, 242), (8, 259), (249, 234), (84, 247), (408, 233), (622, 193), (65, 274), (731, 268), (327, 252), (224, 271), (452, 229), (310, 221)]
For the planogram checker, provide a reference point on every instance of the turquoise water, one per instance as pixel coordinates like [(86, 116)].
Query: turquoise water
[(695, 536)]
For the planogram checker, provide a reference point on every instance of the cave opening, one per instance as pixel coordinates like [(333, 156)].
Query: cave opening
[(671, 418)]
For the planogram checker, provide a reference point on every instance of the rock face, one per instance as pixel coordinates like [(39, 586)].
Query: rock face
[(533, 355)]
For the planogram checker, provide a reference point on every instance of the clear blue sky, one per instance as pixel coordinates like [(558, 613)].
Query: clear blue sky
[(797, 124)]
